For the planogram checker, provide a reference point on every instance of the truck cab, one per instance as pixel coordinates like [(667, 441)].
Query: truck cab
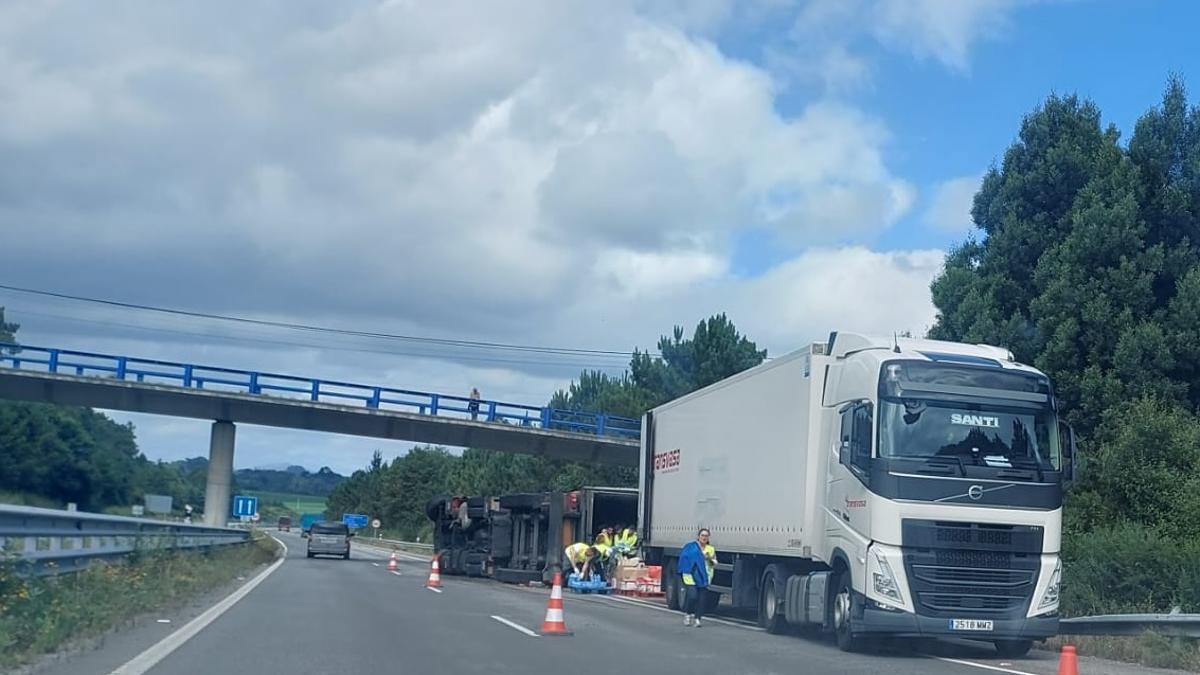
[(943, 500)]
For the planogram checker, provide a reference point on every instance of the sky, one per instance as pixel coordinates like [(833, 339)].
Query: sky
[(567, 174)]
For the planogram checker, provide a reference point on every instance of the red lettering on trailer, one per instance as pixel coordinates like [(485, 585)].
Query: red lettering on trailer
[(667, 461)]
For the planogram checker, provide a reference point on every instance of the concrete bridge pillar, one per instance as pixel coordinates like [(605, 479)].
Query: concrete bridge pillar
[(218, 491)]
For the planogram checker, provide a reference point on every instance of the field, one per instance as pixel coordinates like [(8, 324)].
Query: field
[(284, 504)]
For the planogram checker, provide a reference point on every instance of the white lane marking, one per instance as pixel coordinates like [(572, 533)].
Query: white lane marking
[(435, 590), (983, 666), (163, 648), (375, 564), (396, 573), (512, 625), (649, 605)]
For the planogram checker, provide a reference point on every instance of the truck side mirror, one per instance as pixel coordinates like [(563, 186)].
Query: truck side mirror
[(1070, 457)]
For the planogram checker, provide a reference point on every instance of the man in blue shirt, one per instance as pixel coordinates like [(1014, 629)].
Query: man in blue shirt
[(693, 568)]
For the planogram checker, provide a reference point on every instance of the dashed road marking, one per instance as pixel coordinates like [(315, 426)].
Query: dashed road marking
[(511, 624)]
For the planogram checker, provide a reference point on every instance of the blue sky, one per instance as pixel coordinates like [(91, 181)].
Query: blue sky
[(947, 122)]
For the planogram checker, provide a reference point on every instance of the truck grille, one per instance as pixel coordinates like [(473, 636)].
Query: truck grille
[(971, 569)]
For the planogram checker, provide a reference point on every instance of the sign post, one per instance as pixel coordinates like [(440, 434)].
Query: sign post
[(375, 525)]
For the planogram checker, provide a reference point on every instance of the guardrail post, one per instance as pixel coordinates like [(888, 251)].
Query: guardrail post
[(433, 404), (491, 415), (546, 413), (122, 362), (316, 390), (375, 395), (187, 376), (53, 361), (601, 423), (254, 384)]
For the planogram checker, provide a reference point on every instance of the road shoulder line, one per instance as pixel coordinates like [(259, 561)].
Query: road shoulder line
[(163, 648)]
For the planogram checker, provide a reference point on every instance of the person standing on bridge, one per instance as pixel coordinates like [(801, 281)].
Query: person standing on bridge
[(473, 405), (693, 570)]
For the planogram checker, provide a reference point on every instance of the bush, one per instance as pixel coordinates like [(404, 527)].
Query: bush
[(1129, 568)]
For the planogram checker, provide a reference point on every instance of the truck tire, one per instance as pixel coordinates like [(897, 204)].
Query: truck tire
[(843, 616), (671, 586), (770, 600), (1012, 649)]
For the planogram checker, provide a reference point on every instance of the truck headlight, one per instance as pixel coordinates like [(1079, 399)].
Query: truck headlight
[(1049, 599), (884, 580)]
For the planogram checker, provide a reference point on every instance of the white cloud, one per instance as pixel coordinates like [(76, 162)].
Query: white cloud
[(950, 208), (942, 29), (825, 45), (573, 175)]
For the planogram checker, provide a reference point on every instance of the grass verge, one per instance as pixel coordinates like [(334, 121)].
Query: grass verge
[(39, 615), (1148, 649)]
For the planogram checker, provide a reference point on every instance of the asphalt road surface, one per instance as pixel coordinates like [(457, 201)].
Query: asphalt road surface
[(327, 615)]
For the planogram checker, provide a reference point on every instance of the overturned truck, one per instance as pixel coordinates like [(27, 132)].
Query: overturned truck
[(519, 538)]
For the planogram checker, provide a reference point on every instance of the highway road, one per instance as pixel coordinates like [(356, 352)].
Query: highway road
[(327, 615)]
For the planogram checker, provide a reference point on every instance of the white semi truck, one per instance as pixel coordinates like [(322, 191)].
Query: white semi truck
[(871, 488)]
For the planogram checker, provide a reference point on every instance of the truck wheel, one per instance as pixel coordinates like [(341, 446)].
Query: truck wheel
[(1012, 649), (671, 586), (770, 601), (843, 626)]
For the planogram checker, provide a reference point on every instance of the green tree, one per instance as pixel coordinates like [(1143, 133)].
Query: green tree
[(715, 351), (1087, 265)]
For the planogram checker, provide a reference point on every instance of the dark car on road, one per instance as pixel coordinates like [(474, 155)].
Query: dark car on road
[(285, 524), (327, 538)]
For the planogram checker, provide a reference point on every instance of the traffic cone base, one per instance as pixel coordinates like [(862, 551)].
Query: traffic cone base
[(554, 625), (435, 576), (1068, 662)]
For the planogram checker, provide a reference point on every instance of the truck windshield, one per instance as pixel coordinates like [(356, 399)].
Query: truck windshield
[(982, 435)]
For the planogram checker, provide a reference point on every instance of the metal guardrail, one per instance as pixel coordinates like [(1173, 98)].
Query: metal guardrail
[(1173, 625), (397, 543), (50, 541), (210, 378)]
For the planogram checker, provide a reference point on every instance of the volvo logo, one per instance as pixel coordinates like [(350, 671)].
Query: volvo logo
[(975, 492)]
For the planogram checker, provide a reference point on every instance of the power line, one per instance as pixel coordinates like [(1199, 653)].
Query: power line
[(472, 344), (286, 343)]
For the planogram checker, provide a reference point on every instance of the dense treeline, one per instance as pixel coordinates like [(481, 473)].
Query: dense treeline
[(1087, 265), (397, 492)]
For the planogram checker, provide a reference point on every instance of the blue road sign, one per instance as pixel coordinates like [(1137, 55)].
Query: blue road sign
[(354, 520), (245, 506)]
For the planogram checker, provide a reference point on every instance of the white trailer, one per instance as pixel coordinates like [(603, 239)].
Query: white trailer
[(872, 487)]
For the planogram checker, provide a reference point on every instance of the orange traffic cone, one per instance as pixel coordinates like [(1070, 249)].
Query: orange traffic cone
[(554, 623), (435, 577), (1068, 662), (393, 564)]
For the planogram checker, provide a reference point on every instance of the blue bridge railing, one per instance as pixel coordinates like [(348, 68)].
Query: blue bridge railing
[(209, 378)]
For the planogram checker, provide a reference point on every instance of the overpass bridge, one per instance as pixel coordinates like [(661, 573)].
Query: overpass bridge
[(230, 396)]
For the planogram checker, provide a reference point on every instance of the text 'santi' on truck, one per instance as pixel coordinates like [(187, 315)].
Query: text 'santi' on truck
[(871, 487)]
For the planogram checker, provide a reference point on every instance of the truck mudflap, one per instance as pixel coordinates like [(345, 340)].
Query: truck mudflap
[(870, 620)]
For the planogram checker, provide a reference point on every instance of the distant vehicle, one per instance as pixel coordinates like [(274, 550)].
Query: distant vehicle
[(325, 538), (285, 524)]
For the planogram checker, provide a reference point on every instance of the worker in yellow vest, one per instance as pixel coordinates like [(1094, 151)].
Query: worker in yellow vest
[(580, 557), (626, 542)]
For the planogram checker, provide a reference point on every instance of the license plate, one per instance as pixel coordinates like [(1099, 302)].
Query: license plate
[(971, 624)]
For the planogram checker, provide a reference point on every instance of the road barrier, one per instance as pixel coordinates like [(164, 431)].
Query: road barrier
[(1173, 625), (50, 541)]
